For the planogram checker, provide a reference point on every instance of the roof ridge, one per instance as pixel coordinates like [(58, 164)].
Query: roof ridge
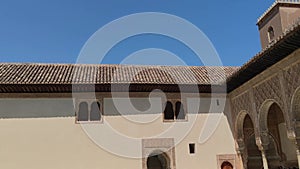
[(274, 4), (111, 65)]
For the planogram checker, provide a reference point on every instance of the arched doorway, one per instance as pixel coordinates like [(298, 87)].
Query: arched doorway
[(281, 151), (295, 116), (158, 160), (254, 160), (296, 105)]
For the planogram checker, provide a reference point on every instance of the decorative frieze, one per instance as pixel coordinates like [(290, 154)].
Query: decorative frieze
[(269, 89), (292, 81), (241, 103)]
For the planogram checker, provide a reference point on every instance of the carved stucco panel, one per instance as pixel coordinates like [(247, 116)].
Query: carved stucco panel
[(292, 81), (241, 103), (269, 89)]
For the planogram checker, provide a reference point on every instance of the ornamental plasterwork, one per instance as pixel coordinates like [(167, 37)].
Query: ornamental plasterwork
[(241, 103), (292, 81), (269, 89)]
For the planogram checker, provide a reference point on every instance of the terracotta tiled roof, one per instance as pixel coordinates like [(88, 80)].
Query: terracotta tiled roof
[(16, 74)]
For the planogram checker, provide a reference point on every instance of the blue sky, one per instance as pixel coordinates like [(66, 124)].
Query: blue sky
[(54, 31)]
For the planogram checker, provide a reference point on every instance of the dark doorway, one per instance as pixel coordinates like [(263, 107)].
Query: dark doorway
[(157, 161), (254, 160)]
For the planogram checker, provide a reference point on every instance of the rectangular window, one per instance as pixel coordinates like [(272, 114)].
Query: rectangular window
[(192, 148)]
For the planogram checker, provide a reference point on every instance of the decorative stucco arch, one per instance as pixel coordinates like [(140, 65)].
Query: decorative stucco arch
[(263, 114), (239, 124), (272, 120), (162, 157), (295, 114), (246, 134), (295, 106)]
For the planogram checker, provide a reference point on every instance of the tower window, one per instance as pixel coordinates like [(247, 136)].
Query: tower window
[(271, 34)]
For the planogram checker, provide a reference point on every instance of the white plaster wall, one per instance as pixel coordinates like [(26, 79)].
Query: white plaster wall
[(36, 107), (52, 143), (58, 142)]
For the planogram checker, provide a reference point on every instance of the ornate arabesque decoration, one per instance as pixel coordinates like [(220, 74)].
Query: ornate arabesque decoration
[(269, 89), (292, 81), (241, 103)]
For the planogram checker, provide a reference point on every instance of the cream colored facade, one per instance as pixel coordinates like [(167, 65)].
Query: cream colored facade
[(256, 124), (40, 131)]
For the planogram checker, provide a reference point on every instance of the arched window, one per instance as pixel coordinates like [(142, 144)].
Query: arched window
[(83, 112), (168, 112), (271, 34), (95, 114), (179, 111)]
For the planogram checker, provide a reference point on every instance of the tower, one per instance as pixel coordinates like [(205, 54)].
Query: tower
[(277, 19)]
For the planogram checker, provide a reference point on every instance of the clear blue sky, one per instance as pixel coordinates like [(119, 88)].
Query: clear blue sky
[(54, 31)]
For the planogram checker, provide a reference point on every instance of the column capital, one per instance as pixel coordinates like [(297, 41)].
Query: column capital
[(263, 141), (294, 133), (240, 146)]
